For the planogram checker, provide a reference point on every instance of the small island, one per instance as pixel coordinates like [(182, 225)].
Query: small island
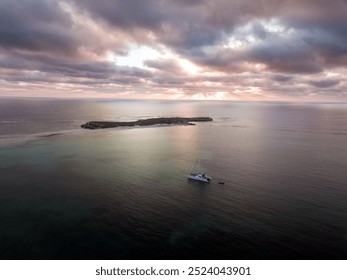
[(146, 122)]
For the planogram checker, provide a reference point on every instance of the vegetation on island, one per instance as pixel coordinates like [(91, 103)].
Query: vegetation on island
[(145, 122)]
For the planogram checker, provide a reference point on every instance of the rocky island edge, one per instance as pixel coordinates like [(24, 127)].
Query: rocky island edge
[(145, 122)]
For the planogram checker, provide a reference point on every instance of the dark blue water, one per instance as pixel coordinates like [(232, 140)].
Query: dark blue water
[(69, 193)]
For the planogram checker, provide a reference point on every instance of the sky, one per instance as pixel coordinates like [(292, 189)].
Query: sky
[(266, 50)]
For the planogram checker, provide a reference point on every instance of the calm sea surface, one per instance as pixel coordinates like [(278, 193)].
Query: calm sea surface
[(69, 193)]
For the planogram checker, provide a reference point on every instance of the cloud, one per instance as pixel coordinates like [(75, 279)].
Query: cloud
[(324, 83), (228, 48), (282, 78), (166, 65), (35, 26)]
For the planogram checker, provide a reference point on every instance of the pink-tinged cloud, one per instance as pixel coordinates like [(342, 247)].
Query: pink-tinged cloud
[(221, 49)]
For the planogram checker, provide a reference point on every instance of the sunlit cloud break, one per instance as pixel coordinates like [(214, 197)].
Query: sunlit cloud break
[(197, 49)]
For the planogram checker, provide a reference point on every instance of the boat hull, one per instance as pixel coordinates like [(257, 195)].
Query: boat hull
[(199, 177)]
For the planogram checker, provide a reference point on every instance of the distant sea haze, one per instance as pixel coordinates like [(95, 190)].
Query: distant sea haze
[(123, 193)]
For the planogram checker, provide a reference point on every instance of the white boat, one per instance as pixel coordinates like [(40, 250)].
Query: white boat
[(202, 177), (198, 175)]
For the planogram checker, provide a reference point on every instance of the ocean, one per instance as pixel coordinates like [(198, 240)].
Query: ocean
[(122, 193)]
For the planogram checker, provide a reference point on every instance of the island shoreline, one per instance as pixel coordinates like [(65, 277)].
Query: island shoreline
[(146, 122)]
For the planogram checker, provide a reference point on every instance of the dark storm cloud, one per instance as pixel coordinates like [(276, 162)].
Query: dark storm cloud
[(282, 78), (186, 25), (50, 69), (190, 26), (288, 58), (180, 24), (259, 31), (35, 26), (325, 83)]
